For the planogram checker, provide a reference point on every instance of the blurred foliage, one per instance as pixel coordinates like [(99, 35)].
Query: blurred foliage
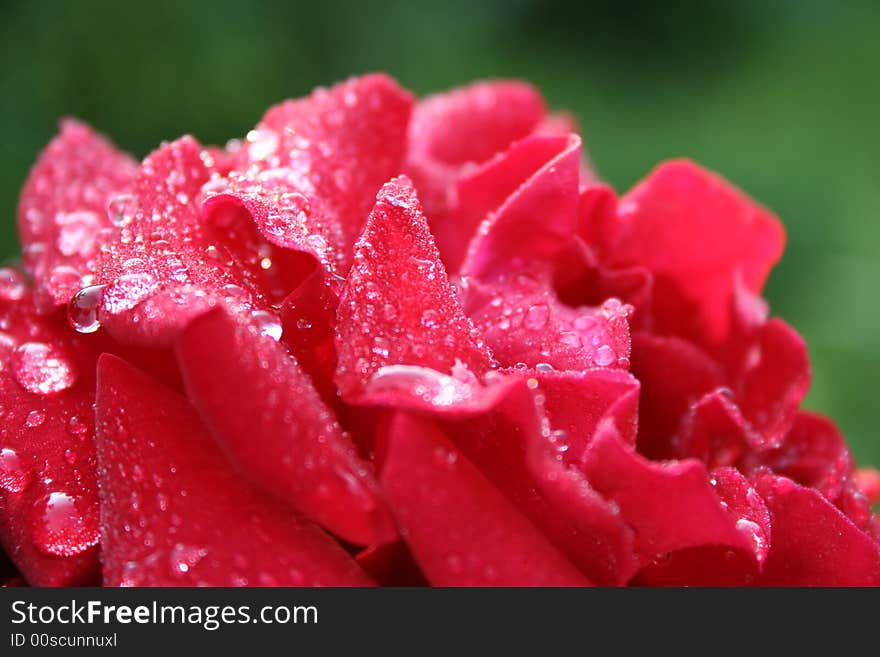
[(780, 96)]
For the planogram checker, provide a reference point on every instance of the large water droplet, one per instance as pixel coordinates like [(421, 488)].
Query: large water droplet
[(267, 324), (12, 286), (120, 209), (61, 528), (537, 317), (42, 369), (82, 311), (604, 356), (14, 476)]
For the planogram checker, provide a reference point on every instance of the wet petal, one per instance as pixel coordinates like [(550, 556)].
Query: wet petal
[(671, 505), (524, 322), (480, 192), (48, 493), (175, 514), (535, 223), (336, 147), (399, 307), (674, 374), (814, 454), (461, 530), (278, 431), (776, 379), (522, 453), (68, 202), (576, 402), (814, 544)]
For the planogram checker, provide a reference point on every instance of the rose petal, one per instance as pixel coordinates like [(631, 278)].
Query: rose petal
[(671, 505), (525, 324), (278, 431), (308, 316), (534, 223), (576, 402), (814, 544), (461, 530), (674, 374), (814, 454), (696, 233), (175, 514), (716, 432), (398, 306), (64, 210), (48, 493), (512, 444), (336, 147), (776, 379), (480, 192)]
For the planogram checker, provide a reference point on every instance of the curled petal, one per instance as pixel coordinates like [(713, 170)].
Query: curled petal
[(482, 191), (674, 374), (68, 203), (814, 544), (814, 454), (577, 402), (279, 432), (461, 530), (175, 514), (716, 432), (697, 234), (671, 505), (534, 224), (776, 379)]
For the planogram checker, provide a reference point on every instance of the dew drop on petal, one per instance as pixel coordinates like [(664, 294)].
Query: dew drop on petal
[(60, 528), (267, 324), (12, 286), (82, 311), (537, 317), (35, 419), (119, 209), (14, 476), (42, 369), (604, 356)]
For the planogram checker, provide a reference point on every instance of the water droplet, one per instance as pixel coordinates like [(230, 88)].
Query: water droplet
[(265, 263), (12, 286), (537, 317), (185, 557), (82, 311), (77, 427), (42, 369), (585, 322), (60, 527), (604, 356), (70, 456), (544, 367), (34, 419), (429, 318), (14, 476), (445, 456), (267, 324), (120, 209)]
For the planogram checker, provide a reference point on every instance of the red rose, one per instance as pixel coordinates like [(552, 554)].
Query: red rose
[(384, 343)]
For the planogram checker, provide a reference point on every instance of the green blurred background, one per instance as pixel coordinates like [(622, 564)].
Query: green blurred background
[(780, 97)]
